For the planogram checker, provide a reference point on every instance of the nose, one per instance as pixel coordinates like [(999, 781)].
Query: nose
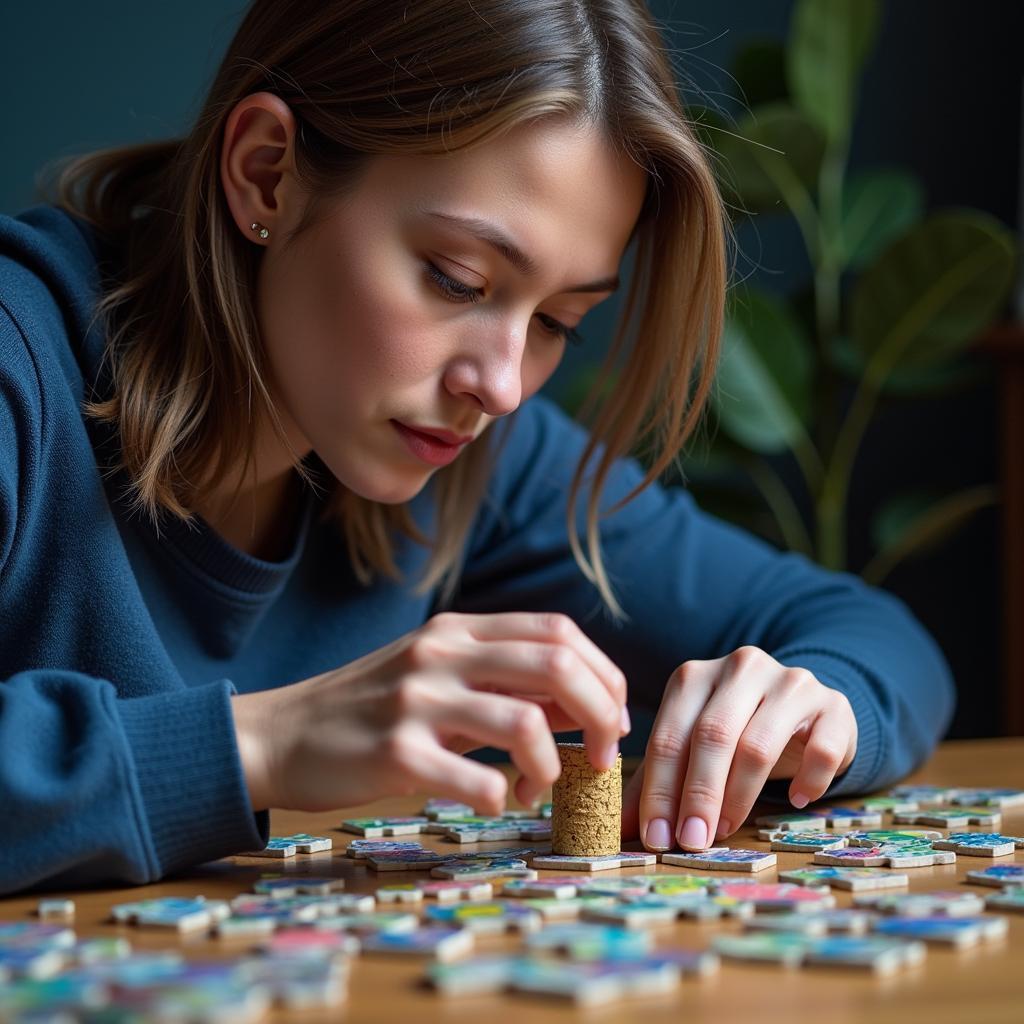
[(488, 368)]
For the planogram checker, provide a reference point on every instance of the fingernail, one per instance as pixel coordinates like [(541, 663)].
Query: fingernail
[(799, 801), (626, 724), (724, 828), (659, 834), (611, 752), (694, 834)]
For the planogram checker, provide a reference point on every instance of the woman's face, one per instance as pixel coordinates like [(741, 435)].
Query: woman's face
[(395, 315)]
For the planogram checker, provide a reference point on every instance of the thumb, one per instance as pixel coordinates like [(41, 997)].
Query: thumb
[(631, 804)]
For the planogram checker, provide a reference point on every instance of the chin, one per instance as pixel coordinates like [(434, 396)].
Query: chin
[(384, 488)]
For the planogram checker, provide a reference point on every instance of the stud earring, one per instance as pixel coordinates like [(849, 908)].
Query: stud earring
[(260, 229)]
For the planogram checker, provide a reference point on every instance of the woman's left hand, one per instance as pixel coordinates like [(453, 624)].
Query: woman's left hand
[(725, 727)]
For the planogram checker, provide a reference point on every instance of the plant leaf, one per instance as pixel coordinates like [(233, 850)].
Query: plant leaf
[(878, 206), (933, 290), (771, 147), (911, 524), (828, 41), (763, 397), (912, 381)]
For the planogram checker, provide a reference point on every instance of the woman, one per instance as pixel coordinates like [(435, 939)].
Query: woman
[(268, 417)]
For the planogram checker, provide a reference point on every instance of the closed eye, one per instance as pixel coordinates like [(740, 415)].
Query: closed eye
[(457, 291)]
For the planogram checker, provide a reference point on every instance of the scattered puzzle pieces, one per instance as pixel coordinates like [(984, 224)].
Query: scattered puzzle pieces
[(980, 844), (496, 916), (798, 821), (857, 879), (922, 904), (999, 875), (1009, 898), (563, 862), (402, 892), (843, 817), (289, 846), (987, 797), (722, 858), (872, 952), (952, 931), (892, 855), (372, 827), (172, 912), (949, 817), (439, 942), (295, 885), (588, 941), (786, 840), (55, 910)]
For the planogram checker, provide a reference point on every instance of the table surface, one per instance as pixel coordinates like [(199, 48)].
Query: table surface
[(981, 984)]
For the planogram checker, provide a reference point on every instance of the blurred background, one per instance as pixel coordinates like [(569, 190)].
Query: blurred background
[(931, 122)]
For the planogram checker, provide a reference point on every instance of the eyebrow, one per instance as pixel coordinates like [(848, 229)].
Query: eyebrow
[(499, 241)]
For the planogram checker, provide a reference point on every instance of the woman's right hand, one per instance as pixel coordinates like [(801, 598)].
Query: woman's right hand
[(396, 721)]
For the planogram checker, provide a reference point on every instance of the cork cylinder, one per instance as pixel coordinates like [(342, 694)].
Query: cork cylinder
[(586, 806)]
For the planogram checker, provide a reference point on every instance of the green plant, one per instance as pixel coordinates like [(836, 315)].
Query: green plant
[(897, 295)]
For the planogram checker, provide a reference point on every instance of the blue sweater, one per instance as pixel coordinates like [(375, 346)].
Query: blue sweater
[(119, 649)]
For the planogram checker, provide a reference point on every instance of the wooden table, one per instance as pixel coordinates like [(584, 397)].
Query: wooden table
[(976, 986)]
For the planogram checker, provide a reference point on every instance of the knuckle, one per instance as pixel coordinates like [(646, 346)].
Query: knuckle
[(713, 731), (661, 795), (682, 674), (823, 751), (558, 662), (410, 691), (747, 656), (665, 745), (556, 625), (757, 752), (797, 679), (441, 622), (619, 683), (527, 723), (699, 793), (423, 651)]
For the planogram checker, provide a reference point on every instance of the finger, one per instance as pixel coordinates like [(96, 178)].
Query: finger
[(552, 628), (668, 751), (556, 671), (495, 720), (713, 745), (828, 750), (435, 771), (759, 748), (631, 794)]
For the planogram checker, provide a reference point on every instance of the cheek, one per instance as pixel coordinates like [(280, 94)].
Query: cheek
[(539, 365), (341, 324)]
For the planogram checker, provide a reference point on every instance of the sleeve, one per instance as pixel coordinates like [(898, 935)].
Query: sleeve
[(98, 789), (93, 787), (694, 587)]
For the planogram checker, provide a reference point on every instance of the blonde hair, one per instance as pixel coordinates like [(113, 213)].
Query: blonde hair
[(368, 77)]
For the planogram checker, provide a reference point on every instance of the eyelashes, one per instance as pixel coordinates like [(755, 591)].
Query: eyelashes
[(456, 291)]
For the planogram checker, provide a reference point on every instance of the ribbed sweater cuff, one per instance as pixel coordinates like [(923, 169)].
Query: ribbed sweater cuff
[(190, 776), (862, 774)]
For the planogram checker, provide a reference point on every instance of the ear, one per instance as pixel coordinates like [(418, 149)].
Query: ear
[(257, 163)]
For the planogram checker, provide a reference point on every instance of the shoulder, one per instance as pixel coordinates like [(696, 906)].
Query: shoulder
[(49, 286)]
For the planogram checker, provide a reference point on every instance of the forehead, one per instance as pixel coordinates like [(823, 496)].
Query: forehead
[(561, 190)]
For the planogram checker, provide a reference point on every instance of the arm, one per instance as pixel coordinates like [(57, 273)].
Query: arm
[(93, 787), (697, 588)]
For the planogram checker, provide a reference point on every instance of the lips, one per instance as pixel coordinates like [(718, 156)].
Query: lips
[(445, 436), (431, 446)]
